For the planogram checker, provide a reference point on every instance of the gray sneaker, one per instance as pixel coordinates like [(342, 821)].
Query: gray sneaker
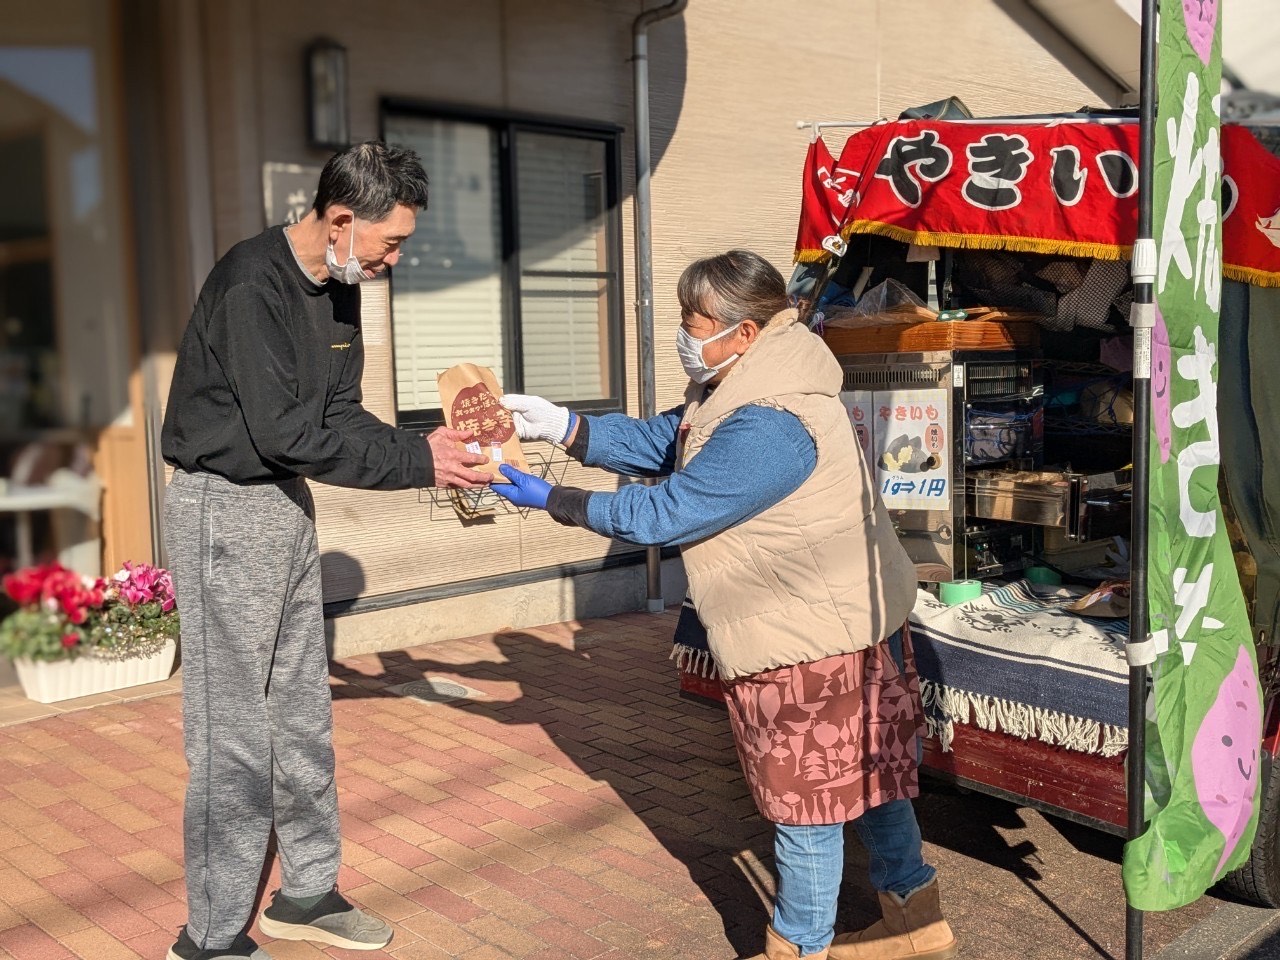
[(334, 921), (243, 949)]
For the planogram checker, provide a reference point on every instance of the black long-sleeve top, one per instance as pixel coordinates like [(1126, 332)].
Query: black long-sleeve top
[(267, 383)]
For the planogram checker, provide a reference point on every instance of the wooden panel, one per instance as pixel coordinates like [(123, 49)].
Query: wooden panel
[(1081, 783), (121, 464), (700, 688)]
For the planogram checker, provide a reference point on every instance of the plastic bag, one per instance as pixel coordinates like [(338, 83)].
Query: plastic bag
[(888, 302)]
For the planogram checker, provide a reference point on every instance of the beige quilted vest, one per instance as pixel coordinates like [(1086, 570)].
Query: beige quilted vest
[(819, 573)]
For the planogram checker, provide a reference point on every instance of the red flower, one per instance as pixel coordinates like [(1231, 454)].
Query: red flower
[(57, 590), (27, 586), (70, 639)]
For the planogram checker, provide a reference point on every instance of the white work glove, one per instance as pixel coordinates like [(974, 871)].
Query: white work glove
[(538, 419)]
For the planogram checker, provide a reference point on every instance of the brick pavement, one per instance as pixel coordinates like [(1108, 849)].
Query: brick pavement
[(572, 807)]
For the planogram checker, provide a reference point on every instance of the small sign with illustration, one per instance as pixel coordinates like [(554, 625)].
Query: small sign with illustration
[(469, 397), (903, 434)]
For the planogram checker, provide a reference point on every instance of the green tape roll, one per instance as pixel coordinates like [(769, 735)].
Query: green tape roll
[(1044, 575), (959, 591)]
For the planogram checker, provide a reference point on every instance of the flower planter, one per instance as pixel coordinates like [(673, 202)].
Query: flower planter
[(86, 675)]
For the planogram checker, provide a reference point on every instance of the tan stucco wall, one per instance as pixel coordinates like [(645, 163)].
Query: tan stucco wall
[(732, 176), (730, 78)]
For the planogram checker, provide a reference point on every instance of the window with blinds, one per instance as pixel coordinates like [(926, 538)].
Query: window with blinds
[(514, 266)]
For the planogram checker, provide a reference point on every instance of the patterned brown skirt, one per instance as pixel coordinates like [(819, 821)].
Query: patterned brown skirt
[(824, 742)]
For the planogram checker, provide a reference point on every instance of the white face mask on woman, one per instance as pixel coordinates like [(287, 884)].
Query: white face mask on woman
[(349, 272), (690, 350)]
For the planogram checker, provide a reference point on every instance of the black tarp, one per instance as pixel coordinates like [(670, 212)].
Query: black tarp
[(1249, 434)]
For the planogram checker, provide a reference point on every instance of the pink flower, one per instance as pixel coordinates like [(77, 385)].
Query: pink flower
[(139, 583), (70, 640)]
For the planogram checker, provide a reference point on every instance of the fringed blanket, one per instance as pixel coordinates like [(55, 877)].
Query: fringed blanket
[(689, 645), (1016, 661)]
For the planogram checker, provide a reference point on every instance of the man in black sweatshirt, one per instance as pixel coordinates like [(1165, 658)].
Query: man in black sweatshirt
[(266, 395)]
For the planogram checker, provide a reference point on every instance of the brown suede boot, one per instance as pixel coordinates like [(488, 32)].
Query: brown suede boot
[(911, 928), (775, 948)]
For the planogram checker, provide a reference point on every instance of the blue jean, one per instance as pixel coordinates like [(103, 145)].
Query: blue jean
[(810, 863)]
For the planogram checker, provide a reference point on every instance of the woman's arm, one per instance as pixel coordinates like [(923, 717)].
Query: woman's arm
[(753, 460), (625, 445)]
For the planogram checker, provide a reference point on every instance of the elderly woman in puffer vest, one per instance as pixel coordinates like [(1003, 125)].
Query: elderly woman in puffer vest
[(801, 583)]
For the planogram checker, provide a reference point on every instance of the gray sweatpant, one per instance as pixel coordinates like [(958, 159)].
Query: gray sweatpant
[(256, 710)]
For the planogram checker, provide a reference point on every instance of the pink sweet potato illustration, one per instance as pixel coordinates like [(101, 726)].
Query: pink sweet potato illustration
[(1224, 756)]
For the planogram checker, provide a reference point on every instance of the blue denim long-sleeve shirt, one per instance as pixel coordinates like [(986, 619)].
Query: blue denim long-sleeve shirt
[(754, 459)]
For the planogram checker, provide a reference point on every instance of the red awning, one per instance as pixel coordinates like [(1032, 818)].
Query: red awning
[(1063, 187)]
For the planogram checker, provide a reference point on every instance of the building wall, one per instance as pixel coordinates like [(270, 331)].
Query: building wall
[(732, 174), (729, 81), (1250, 33)]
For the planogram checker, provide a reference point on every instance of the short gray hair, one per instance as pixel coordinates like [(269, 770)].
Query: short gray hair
[(732, 287), (371, 178)]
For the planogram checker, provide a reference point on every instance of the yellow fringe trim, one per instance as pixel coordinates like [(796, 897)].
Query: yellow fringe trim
[(1251, 275), (985, 241), (812, 256), (972, 241)]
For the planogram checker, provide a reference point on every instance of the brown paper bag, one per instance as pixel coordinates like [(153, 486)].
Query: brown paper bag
[(469, 395), (1111, 599)]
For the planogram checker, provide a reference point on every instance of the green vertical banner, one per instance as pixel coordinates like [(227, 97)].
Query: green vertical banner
[(1204, 714)]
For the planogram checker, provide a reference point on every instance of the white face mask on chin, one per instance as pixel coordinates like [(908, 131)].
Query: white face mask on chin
[(349, 272), (690, 350)]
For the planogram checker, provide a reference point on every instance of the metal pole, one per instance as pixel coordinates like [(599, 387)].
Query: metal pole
[(644, 254), (1143, 320)]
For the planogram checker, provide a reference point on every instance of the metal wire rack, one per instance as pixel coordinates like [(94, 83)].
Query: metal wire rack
[(1083, 426), (482, 503)]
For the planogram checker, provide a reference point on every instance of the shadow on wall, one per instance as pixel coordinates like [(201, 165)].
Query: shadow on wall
[(344, 569), (1106, 91), (668, 70), (559, 593)]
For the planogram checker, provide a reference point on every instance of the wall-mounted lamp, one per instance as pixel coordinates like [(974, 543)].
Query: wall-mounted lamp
[(327, 122)]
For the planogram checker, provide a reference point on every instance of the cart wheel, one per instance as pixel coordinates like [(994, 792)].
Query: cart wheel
[(1258, 881)]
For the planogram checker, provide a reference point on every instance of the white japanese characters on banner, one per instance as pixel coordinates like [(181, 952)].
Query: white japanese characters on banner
[(904, 437)]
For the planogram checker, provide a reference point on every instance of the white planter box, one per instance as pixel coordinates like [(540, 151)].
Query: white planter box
[(85, 676)]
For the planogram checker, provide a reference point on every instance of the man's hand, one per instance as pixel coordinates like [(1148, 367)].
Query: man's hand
[(453, 465), (524, 490), (539, 419)]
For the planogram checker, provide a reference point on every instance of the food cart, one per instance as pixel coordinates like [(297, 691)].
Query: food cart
[(973, 279)]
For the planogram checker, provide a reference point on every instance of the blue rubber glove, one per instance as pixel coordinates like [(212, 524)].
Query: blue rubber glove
[(524, 490)]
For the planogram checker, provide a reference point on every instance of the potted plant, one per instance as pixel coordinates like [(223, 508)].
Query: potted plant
[(73, 636)]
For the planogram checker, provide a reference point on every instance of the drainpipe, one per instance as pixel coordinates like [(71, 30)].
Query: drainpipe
[(644, 252)]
